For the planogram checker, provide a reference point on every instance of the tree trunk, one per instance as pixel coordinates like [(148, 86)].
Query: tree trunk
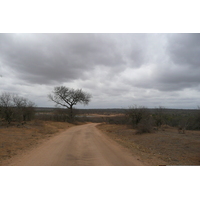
[(71, 117)]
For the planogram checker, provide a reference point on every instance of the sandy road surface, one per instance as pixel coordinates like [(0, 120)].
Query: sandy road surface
[(81, 145)]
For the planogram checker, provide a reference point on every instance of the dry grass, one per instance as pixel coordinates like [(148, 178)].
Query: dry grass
[(14, 140), (167, 147)]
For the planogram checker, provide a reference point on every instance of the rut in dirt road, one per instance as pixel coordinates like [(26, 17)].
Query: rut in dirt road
[(82, 145)]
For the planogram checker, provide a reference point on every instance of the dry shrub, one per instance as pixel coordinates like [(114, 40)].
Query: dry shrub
[(38, 123), (181, 130), (165, 126), (50, 127), (145, 126), (48, 130), (141, 119)]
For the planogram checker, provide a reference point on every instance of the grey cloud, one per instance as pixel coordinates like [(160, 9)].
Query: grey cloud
[(134, 48), (184, 49), (137, 57), (118, 69), (44, 58), (178, 65), (171, 80)]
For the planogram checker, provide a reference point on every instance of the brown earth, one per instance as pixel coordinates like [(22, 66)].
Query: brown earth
[(15, 140), (166, 147), (82, 145), (103, 115), (163, 147)]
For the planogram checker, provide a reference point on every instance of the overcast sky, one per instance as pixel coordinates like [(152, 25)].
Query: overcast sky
[(119, 70)]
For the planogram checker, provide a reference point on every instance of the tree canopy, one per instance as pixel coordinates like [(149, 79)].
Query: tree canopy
[(68, 97)]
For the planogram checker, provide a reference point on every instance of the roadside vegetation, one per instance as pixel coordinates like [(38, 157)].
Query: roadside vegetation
[(17, 139), (161, 136), (19, 127), (140, 118), (14, 108)]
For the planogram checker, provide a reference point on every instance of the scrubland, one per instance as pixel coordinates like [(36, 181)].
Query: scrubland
[(161, 147), (158, 136), (15, 139)]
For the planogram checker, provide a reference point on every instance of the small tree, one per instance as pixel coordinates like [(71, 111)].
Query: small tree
[(195, 124), (136, 114), (159, 116), (68, 98), (24, 108), (140, 119), (29, 111), (15, 108), (6, 105)]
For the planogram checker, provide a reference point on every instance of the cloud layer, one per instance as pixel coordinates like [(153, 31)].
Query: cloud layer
[(119, 70)]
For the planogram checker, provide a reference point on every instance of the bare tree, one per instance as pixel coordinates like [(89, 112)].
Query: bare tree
[(140, 119), (6, 105), (19, 103), (136, 114), (29, 111), (197, 119), (159, 116), (24, 108), (66, 97), (14, 107)]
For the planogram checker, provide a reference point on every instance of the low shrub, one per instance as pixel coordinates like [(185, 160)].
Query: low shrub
[(145, 126)]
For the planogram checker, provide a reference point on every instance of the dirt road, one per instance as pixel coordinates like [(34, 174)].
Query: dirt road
[(82, 145)]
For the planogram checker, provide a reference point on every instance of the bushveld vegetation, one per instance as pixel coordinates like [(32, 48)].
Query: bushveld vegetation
[(149, 120), (19, 110), (141, 118), (124, 125), (28, 124), (14, 108)]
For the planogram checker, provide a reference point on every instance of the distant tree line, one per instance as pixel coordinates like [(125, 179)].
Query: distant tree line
[(143, 119), (147, 120), (14, 108)]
